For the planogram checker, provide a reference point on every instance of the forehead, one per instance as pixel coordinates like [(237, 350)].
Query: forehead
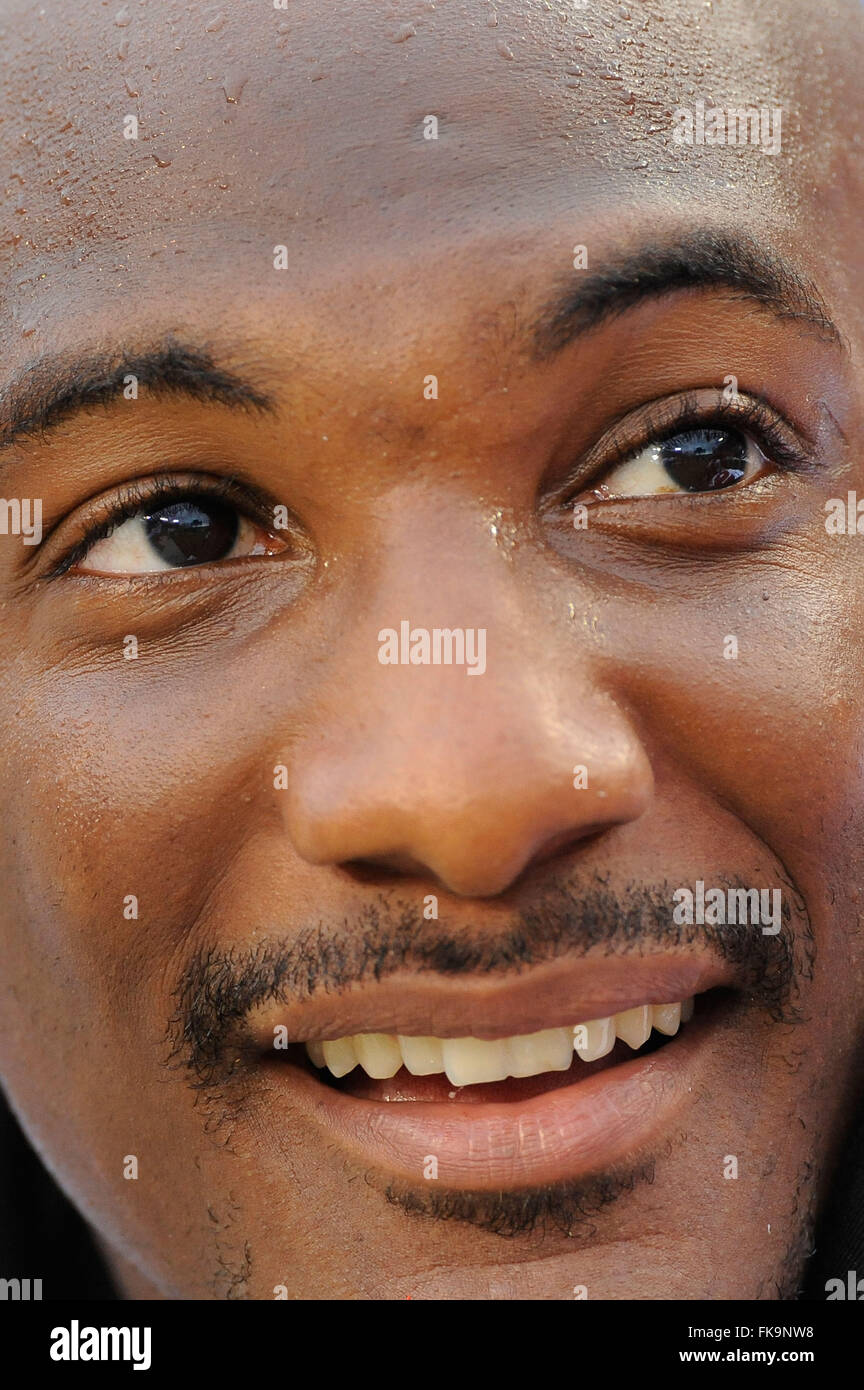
[(305, 127)]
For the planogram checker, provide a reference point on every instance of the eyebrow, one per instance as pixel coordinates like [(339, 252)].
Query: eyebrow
[(702, 261), (54, 388)]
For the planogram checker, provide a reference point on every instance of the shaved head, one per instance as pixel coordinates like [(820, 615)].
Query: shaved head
[(335, 336)]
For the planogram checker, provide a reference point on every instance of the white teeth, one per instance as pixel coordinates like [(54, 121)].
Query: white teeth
[(594, 1039), (634, 1025), (468, 1061), (379, 1054), (472, 1061), (667, 1018), (422, 1056), (534, 1053), (340, 1056)]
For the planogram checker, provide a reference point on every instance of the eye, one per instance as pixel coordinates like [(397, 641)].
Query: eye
[(695, 460), (177, 533)]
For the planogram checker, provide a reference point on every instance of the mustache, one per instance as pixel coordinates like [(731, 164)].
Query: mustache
[(219, 989)]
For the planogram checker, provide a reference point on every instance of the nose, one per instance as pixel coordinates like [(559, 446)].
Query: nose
[(466, 780)]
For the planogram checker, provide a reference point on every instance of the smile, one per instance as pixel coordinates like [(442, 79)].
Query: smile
[(516, 1107), (477, 1061)]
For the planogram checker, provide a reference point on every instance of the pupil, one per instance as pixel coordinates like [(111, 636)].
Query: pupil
[(705, 460), (192, 532)]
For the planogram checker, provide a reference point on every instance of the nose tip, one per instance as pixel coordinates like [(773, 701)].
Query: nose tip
[(474, 833)]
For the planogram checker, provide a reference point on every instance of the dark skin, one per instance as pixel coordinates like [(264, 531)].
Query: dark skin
[(154, 777)]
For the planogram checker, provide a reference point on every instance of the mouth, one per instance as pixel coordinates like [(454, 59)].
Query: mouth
[(510, 1111), (392, 1067)]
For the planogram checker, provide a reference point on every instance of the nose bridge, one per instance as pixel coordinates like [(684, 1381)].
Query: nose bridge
[(456, 744)]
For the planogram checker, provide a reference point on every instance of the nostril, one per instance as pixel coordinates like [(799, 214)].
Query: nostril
[(561, 844), (383, 870), (386, 868)]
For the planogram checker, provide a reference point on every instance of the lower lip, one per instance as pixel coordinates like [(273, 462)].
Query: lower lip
[(561, 1134)]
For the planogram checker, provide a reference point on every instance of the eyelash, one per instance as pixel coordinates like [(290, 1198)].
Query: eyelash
[(132, 497), (747, 415)]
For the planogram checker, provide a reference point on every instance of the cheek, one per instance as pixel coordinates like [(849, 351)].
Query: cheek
[(758, 701), (85, 994), (124, 794), (106, 855)]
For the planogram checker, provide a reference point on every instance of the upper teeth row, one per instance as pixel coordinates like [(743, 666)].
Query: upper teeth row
[(469, 1061)]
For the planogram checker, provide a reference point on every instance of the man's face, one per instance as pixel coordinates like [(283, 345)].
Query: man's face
[(348, 371)]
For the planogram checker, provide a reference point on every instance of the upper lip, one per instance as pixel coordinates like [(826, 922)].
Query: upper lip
[(553, 995)]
